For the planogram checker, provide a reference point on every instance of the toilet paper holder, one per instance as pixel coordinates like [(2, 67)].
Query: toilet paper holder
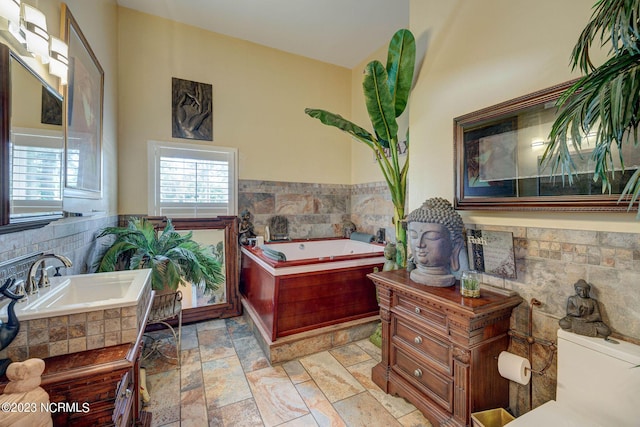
[(530, 340)]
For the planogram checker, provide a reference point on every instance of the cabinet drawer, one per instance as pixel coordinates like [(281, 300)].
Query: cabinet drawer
[(437, 387), (124, 400), (433, 349), (432, 316)]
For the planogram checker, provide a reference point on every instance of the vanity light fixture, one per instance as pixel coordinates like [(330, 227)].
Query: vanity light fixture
[(34, 25), (538, 143), (10, 10), (59, 59), (10, 26)]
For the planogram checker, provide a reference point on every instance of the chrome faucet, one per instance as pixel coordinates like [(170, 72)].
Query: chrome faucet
[(32, 286)]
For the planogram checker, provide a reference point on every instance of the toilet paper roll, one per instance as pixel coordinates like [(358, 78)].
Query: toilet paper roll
[(514, 368)]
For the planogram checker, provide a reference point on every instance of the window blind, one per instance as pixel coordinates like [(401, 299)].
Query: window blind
[(192, 181), (36, 172)]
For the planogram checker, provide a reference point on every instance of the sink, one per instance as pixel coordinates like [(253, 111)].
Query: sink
[(84, 292)]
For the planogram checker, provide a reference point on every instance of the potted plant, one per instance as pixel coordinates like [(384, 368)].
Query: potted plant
[(605, 100), (173, 258), (386, 91)]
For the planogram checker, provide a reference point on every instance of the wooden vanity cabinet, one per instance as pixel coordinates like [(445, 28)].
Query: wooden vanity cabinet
[(439, 349), (104, 378), (97, 387)]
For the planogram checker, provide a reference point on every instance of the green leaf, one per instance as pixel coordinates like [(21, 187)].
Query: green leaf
[(336, 120), (171, 256), (401, 60), (379, 101)]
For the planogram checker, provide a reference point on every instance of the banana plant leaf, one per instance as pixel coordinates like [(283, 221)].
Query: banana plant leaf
[(400, 64), (379, 101), (341, 123)]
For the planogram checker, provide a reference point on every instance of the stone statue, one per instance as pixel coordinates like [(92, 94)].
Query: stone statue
[(279, 227), (390, 252), (583, 315), (348, 227), (24, 391), (9, 329), (435, 233), (245, 229)]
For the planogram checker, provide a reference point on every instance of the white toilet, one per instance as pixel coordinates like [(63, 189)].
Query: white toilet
[(598, 385)]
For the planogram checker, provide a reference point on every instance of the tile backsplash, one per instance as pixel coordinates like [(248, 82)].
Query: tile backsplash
[(74, 238), (317, 210)]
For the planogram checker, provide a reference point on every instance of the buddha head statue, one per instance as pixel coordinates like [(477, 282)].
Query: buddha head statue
[(435, 237)]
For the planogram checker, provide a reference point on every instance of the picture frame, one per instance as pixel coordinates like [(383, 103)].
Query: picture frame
[(84, 114), (518, 130), (487, 148), (192, 109)]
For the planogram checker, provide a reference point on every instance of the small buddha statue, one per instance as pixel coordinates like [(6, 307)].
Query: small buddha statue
[(435, 236), (583, 314), (245, 228), (390, 252)]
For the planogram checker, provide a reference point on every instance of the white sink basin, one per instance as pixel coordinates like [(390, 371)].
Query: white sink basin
[(83, 293)]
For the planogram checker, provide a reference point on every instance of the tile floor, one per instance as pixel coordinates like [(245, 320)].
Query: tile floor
[(225, 380)]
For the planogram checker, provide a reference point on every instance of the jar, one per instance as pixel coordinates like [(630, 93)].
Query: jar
[(470, 284)]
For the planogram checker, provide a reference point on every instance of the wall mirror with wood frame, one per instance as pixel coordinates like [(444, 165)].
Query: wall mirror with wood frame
[(222, 234), (31, 146), (497, 161)]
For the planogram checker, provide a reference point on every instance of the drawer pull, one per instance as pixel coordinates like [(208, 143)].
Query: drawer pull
[(127, 392), (417, 340), (417, 373), (417, 310)]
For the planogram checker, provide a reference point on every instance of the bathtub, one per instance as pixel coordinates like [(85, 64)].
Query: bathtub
[(321, 283)]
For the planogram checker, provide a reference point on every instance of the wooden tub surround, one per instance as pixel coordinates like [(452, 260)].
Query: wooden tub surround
[(440, 350), (290, 297)]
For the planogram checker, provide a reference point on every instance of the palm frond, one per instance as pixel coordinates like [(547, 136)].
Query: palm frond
[(607, 101), (173, 257)]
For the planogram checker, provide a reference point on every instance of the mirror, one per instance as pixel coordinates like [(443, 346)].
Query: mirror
[(222, 233), (497, 161), (32, 147), (85, 92)]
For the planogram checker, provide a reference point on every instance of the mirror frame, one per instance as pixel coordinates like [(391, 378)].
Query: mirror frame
[(6, 56), (232, 307), (70, 26), (500, 114)]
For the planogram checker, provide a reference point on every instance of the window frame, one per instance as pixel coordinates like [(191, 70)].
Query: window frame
[(158, 149)]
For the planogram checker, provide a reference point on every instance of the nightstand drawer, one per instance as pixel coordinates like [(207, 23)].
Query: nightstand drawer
[(430, 315), (433, 349), (436, 386)]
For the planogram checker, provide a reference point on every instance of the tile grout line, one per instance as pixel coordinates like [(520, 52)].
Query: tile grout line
[(244, 373)]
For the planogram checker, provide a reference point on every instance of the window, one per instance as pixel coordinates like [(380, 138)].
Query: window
[(36, 173), (191, 181)]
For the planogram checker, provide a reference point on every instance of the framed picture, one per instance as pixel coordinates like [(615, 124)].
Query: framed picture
[(85, 92), (51, 113), (192, 109), (497, 161), (489, 158)]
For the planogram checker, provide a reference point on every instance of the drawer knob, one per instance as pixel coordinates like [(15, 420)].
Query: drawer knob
[(417, 310), (417, 340), (417, 373), (128, 392)]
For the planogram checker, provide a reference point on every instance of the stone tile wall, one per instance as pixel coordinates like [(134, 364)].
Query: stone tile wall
[(548, 263), (317, 210), (71, 237)]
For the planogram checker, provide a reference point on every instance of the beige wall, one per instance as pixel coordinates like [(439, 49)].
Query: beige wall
[(259, 96), (364, 168), (479, 54)]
